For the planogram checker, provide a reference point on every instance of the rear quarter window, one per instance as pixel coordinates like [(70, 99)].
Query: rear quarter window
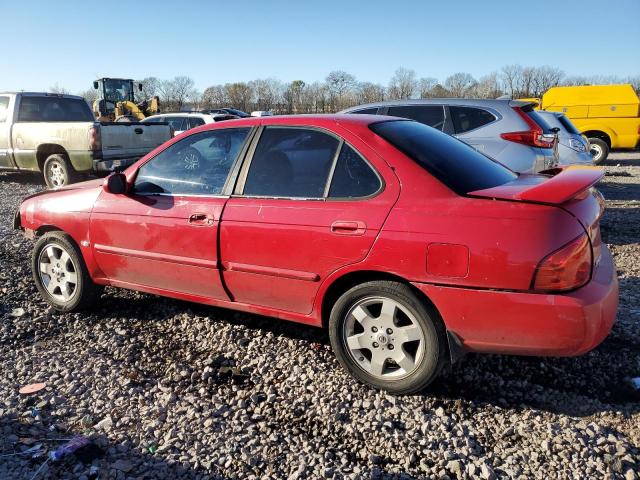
[(431, 115), (454, 163), (466, 119)]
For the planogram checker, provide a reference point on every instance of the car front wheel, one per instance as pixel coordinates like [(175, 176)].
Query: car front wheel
[(386, 337), (61, 275)]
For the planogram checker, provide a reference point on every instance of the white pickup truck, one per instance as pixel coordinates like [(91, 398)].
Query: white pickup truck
[(59, 136)]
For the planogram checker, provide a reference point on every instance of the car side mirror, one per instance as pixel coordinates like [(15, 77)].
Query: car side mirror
[(95, 85), (116, 183)]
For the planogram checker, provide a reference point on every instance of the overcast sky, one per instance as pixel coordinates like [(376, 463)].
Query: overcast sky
[(71, 43)]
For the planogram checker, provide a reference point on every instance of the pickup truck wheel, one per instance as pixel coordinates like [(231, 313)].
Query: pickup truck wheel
[(386, 337), (58, 172), (61, 275), (599, 150)]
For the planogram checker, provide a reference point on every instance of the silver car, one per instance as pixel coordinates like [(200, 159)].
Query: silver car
[(509, 131), (573, 147)]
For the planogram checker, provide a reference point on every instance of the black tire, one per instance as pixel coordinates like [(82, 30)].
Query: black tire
[(431, 360), (58, 172), (599, 150), (83, 293)]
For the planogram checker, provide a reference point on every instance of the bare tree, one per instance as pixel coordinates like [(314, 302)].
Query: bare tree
[(293, 97), (239, 95), (315, 98), (511, 76), (58, 89), (150, 87), (545, 78), (339, 84), (90, 95), (177, 92), (460, 84), (487, 87), (368, 92), (402, 85), (267, 93), (214, 97), (425, 86)]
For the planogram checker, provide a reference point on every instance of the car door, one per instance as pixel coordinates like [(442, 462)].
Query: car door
[(164, 233), (5, 131), (306, 204)]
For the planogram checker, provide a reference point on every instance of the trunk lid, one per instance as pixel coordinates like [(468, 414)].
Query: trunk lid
[(570, 188)]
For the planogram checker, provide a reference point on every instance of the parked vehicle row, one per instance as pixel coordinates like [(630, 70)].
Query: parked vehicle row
[(383, 230), (608, 115), (183, 121), (59, 136), (509, 131)]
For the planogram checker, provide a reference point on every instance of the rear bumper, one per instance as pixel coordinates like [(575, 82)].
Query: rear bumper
[(106, 166), (531, 324)]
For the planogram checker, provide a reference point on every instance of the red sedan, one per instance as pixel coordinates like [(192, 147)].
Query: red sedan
[(409, 246)]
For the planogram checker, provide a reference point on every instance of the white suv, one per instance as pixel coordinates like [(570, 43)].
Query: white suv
[(183, 121)]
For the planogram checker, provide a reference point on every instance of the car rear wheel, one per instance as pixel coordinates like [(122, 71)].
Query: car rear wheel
[(386, 337), (61, 275), (599, 150), (58, 172)]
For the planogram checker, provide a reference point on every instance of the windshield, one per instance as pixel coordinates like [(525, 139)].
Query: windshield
[(118, 90), (453, 162)]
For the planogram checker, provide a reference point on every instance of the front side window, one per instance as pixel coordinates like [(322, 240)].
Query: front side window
[(291, 162), (195, 122), (54, 109), (431, 115), (353, 177), (469, 118), (196, 165), (4, 106)]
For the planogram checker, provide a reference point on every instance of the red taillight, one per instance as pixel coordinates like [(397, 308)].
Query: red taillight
[(566, 268), (534, 137), (95, 138)]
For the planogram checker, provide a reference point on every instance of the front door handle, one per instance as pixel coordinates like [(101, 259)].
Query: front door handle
[(341, 227), (200, 219)]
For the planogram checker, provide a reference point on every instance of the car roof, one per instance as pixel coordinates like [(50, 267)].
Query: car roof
[(43, 94), (480, 102)]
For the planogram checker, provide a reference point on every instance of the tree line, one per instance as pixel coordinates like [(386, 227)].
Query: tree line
[(341, 89)]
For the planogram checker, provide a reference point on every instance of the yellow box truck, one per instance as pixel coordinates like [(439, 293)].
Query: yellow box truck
[(608, 115)]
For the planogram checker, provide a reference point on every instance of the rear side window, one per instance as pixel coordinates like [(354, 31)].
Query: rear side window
[(54, 109), (291, 162), (367, 111), (469, 118), (431, 115), (353, 177), (4, 105), (566, 123), (451, 161), (195, 122)]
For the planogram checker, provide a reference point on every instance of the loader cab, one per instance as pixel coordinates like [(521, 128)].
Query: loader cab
[(111, 91)]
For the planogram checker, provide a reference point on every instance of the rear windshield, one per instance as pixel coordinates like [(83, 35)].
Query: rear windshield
[(54, 109), (451, 161), (568, 126), (542, 123)]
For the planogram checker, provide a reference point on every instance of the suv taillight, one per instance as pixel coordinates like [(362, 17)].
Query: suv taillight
[(95, 138), (565, 269), (534, 137)]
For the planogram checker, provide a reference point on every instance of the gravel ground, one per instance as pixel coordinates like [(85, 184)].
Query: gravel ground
[(166, 389)]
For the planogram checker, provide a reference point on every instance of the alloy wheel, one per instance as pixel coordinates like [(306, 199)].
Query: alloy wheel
[(58, 273), (384, 338)]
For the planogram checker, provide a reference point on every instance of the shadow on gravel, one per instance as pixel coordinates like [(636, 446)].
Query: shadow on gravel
[(101, 458), (620, 226), (23, 178), (619, 191)]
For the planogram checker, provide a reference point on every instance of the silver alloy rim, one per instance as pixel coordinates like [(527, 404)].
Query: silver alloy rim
[(596, 152), (58, 273), (56, 174), (384, 338)]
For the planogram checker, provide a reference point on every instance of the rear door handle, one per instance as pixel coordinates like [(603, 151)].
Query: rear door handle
[(138, 131), (200, 219), (341, 227)]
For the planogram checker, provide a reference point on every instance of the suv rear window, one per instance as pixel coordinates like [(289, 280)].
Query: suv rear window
[(54, 109), (366, 111), (450, 160), (469, 118)]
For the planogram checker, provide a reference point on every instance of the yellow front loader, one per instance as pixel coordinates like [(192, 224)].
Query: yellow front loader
[(116, 103)]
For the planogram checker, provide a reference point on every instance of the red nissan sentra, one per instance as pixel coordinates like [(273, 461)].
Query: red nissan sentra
[(408, 245)]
